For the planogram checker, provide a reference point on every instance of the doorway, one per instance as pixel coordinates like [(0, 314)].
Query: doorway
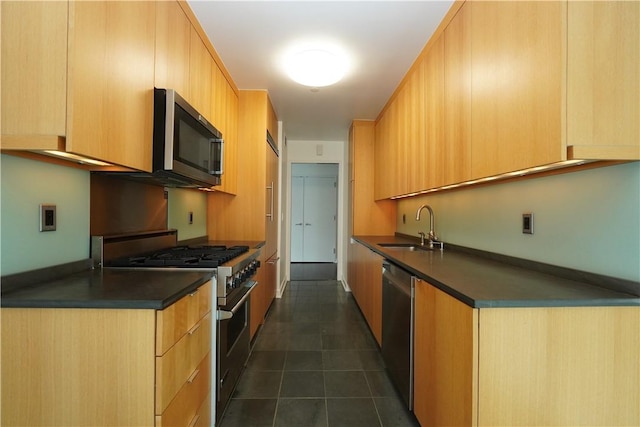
[(314, 214)]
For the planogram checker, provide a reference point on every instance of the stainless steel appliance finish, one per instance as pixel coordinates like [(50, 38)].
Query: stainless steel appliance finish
[(185, 144), (397, 328), (233, 345)]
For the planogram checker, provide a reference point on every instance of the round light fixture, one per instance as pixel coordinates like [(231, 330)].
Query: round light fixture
[(316, 67)]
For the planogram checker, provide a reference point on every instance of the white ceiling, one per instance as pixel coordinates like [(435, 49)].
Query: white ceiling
[(384, 37)]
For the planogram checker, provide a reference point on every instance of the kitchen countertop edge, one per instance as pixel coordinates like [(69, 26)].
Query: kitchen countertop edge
[(504, 297), (108, 289)]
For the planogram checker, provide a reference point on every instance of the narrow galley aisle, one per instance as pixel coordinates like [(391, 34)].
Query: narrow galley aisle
[(315, 364)]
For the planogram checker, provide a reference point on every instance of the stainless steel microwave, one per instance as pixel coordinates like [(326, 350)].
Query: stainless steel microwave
[(187, 149)]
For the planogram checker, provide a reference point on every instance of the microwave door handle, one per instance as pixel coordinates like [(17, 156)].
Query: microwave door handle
[(215, 141)]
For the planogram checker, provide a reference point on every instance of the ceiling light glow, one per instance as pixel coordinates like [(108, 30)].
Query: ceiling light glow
[(316, 67)]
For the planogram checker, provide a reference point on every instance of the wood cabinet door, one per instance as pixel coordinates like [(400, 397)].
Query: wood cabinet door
[(256, 304), (445, 359), (200, 77), (34, 71), (517, 73), (272, 216), (603, 87), (433, 163), (373, 288), (173, 38), (457, 98), (111, 77)]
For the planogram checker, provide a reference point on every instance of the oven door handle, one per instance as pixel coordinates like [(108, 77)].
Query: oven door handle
[(228, 314)]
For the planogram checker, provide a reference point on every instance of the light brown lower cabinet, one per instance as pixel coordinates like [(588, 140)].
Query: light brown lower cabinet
[(541, 366), (365, 281), (265, 292), (108, 367)]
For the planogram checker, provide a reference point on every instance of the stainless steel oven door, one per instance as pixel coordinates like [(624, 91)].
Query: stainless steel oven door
[(232, 345)]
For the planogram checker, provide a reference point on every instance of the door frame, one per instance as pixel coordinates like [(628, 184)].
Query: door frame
[(317, 152), (316, 170)]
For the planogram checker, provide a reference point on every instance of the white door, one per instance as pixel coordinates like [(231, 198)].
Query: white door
[(320, 219), (314, 208), (297, 218)]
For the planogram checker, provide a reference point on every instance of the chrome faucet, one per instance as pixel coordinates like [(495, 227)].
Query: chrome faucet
[(432, 225)]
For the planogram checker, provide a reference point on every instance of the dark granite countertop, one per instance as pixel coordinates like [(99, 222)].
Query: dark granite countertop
[(108, 288), (484, 282)]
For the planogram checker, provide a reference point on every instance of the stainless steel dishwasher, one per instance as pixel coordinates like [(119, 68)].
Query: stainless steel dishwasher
[(397, 328)]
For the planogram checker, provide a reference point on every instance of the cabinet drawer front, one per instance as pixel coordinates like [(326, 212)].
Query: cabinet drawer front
[(175, 321), (177, 365), (189, 404)]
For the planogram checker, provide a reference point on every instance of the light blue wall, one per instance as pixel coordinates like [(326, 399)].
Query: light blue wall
[(25, 184), (183, 201), (588, 220)]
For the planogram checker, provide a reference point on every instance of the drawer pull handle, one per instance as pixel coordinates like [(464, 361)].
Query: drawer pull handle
[(195, 328), (193, 376), (192, 294), (194, 421)]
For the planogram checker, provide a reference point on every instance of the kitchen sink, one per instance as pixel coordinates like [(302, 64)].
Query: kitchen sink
[(405, 246)]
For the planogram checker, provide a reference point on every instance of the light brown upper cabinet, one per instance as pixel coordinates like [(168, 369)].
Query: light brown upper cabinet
[(510, 86), (201, 68), (173, 39), (516, 85), (457, 99), (603, 82), (81, 79), (553, 81)]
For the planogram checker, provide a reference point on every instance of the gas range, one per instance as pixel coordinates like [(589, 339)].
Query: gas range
[(204, 256), (232, 266)]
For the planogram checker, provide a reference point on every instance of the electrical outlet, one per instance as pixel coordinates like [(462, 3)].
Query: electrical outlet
[(527, 223), (48, 217)]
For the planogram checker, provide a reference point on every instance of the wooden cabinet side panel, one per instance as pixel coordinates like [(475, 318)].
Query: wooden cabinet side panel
[(64, 367), (603, 87), (111, 76), (369, 217), (242, 217), (34, 68), (559, 366), (445, 354)]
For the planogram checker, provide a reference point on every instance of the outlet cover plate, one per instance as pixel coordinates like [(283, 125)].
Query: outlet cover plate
[(527, 223)]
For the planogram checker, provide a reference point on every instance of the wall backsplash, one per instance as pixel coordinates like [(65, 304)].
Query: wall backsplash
[(587, 220), (25, 185), (183, 201)]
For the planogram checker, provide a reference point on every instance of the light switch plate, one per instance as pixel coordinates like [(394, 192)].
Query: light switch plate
[(48, 217)]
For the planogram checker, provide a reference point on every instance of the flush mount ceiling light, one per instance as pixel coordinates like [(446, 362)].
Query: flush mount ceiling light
[(316, 67)]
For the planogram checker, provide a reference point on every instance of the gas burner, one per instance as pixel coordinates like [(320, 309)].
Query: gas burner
[(183, 257)]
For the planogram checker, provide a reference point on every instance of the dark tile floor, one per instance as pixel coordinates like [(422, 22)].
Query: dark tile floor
[(315, 363), (314, 271)]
